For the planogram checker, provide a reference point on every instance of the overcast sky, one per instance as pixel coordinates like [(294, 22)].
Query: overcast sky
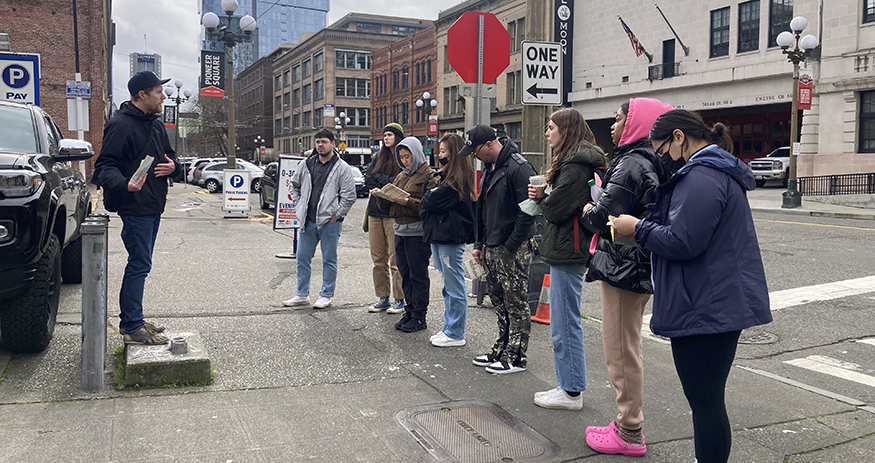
[(172, 28)]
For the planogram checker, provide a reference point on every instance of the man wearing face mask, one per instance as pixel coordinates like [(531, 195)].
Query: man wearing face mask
[(323, 191)]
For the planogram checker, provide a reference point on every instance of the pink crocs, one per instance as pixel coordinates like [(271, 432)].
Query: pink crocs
[(610, 442)]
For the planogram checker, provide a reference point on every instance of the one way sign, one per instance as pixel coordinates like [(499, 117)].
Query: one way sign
[(542, 73)]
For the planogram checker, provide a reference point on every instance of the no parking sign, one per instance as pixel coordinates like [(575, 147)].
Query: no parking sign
[(19, 78)]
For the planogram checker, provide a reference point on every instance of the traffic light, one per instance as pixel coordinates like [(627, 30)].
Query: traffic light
[(300, 142)]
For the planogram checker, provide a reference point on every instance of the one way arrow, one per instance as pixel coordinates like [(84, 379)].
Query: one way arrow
[(534, 90)]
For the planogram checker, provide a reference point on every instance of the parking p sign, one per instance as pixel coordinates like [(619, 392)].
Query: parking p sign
[(19, 78)]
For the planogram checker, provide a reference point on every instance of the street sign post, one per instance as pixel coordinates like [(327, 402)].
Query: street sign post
[(542, 73), (19, 78), (486, 62)]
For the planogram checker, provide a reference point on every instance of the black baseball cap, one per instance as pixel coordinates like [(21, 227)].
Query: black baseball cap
[(477, 136), (144, 80)]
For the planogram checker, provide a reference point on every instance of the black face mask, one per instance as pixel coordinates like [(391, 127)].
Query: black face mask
[(670, 164), (443, 161)]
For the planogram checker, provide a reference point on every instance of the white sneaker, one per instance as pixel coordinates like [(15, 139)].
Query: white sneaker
[(558, 399), (322, 302), (435, 336), (545, 393), (297, 301), (442, 340), (502, 368)]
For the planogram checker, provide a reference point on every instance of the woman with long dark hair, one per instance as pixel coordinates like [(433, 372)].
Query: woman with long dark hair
[(381, 235), (448, 223), (565, 248), (623, 272), (709, 282)]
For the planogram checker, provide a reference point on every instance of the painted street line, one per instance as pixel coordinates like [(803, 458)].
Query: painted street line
[(816, 390), (814, 224), (833, 367), (825, 292), (867, 341)]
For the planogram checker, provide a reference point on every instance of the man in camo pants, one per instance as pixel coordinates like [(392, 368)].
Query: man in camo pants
[(504, 241)]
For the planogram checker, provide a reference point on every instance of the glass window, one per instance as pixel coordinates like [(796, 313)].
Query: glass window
[(868, 11), (780, 14), (307, 115), (720, 32), (521, 31), (278, 127), (867, 122), (511, 29), (307, 69), (318, 120), (296, 97), (317, 62), (428, 71), (419, 73), (405, 77), (308, 94), (394, 112), (405, 117), (279, 103), (748, 26), (353, 60), (296, 120), (363, 61), (277, 82), (403, 30), (286, 100), (286, 78), (367, 27), (395, 80), (319, 90), (286, 124)]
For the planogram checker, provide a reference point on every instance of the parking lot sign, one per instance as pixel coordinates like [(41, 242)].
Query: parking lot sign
[(19, 78)]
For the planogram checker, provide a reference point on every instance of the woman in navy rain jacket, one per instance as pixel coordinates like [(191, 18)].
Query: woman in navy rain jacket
[(709, 282)]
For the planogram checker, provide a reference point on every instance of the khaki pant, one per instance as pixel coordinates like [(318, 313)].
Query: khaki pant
[(622, 315), (382, 240)]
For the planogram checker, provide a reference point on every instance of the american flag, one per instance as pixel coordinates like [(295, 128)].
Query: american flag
[(636, 45)]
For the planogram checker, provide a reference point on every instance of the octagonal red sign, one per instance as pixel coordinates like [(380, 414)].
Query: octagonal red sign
[(462, 46)]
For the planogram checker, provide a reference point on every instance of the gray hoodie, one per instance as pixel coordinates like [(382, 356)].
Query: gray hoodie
[(415, 147)]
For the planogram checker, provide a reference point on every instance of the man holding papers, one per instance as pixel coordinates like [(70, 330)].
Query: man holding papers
[(132, 136)]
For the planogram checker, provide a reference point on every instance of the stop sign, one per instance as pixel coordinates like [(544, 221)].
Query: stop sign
[(462, 46)]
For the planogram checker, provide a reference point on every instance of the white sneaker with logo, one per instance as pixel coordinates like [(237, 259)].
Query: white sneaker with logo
[(297, 301), (322, 302), (557, 399), (442, 340)]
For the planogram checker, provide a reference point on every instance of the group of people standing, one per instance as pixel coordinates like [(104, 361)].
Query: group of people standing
[(671, 186)]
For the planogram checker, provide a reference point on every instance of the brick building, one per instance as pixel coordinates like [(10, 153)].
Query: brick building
[(328, 73), (27, 25), (253, 97), (401, 73)]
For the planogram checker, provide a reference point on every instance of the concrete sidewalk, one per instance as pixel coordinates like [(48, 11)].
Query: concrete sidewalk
[(325, 385), (770, 199)]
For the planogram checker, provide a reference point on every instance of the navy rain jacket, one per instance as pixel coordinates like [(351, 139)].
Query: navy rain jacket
[(707, 269)]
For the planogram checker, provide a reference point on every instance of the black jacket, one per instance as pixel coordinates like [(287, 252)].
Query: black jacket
[(447, 218), (123, 139), (500, 221), (630, 188), (376, 180), (562, 206)]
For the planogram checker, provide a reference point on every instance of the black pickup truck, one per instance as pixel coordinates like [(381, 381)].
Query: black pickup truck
[(43, 201)]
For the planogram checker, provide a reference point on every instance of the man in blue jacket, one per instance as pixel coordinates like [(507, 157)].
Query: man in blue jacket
[(134, 134)]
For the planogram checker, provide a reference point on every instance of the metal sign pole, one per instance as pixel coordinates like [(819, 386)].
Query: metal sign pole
[(94, 289), (478, 101)]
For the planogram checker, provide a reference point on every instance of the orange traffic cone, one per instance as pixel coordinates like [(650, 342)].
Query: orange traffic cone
[(542, 315)]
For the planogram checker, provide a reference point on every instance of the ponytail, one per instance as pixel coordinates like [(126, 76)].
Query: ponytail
[(692, 125)]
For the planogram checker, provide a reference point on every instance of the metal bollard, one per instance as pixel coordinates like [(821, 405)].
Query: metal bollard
[(95, 241)]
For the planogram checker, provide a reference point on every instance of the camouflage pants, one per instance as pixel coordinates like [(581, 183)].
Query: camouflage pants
[(507, 277)]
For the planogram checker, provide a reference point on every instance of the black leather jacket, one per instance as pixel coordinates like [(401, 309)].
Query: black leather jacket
[(499, 217), (630, 188)]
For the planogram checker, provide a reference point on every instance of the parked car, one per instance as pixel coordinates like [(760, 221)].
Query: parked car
[(267, 194), (213, 175), (199, 162), (43, 201), (360, 190), (775, 166)]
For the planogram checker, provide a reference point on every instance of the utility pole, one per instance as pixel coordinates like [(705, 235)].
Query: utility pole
[(534, 144)]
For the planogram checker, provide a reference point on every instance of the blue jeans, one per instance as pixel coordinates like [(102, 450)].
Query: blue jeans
[(565, 329), (448, 260), (138, 234), (327, 238)]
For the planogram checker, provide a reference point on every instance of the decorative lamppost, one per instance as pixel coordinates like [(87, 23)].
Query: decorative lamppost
[(339, 124), (229, 38), (801, 50), (427, 105), (260, 141), (181, 95)]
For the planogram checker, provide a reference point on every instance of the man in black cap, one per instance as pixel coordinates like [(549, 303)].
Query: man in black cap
[(504, 244), (133, 135)]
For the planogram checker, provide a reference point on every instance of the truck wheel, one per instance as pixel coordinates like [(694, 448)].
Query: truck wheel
[(256, 186), (71, 262), (212, 185), (760, 183), (27, 322)]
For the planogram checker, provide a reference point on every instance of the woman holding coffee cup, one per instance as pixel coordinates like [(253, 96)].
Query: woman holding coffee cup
[(564, 248)]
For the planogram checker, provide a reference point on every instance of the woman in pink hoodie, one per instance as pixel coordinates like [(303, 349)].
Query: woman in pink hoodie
[(624, 271)]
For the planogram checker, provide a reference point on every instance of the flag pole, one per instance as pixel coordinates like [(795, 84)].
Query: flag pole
[(686, 48)]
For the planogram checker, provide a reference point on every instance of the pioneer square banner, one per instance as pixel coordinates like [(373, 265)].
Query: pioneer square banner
[(212, 73)]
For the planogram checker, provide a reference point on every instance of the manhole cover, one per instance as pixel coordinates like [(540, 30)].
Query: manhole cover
[(475, 432), (757, 337)]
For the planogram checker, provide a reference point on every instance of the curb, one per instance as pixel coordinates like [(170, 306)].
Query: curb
[(829, 214)]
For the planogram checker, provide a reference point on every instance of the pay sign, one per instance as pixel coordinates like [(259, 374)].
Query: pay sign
[(542, 73), (19, 78)]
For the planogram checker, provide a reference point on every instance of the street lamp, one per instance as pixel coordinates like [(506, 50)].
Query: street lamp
[(181, 95), (224, 34), (426, 103), (260, 141), (792, 197), (340, 123)]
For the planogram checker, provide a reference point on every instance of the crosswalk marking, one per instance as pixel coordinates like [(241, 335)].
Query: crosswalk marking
[(825, 292), (831, 366), (870, 341)]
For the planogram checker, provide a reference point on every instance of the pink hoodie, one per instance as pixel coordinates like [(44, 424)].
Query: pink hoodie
[(643, 112)]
